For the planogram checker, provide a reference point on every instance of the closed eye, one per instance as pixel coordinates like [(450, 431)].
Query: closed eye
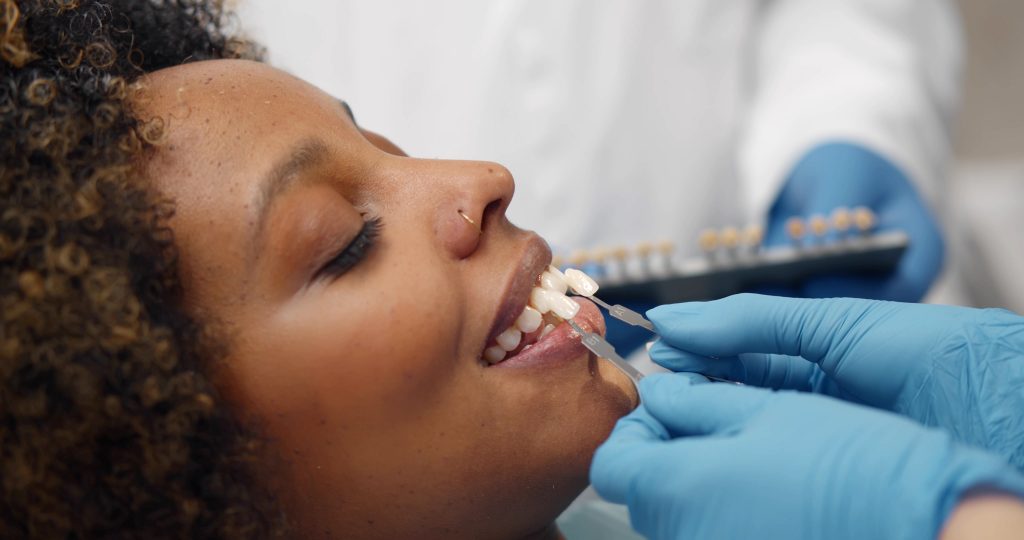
[(354, 252)]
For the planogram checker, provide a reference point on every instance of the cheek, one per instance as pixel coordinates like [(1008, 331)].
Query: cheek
[(353, 355)]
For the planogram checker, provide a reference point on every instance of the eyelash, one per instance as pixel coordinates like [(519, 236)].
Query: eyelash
[(355, 251)]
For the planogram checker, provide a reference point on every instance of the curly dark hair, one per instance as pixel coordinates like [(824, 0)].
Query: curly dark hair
[(110, 425)]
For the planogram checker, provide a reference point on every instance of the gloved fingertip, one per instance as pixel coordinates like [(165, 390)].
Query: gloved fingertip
[(683, 363), (637, 426), (658, 348), (775, 291), (671, 311)]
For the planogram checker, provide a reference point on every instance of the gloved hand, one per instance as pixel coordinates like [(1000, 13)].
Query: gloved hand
[(957, 368), (845, 175), (723, 461)]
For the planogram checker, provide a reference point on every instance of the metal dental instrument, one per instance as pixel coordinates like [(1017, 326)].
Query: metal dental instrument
[(629, 316), (625, 314), (585, 286), (582, 284), (597, 345)]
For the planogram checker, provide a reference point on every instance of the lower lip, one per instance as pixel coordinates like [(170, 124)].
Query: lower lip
[(562, 344)]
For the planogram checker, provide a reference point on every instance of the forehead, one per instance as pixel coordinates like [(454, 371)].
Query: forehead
[(226, 124), (232, 104)]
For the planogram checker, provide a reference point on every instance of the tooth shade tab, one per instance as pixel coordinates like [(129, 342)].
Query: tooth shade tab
[(841, 219), (529, 320), (562, 305), (554, 282), (730, 237), (819, 225), (796, 228), (580, 283), (708, 240), (493, 355), (754, 235), (863, 218), (509, 339), (539, 299)]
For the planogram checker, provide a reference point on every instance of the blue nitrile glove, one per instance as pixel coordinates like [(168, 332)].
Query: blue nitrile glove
[(847, 175), (724, 461), (961, 369)]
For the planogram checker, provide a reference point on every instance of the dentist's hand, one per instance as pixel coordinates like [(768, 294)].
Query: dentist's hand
[(847, 175), (957, 368), (721, 461)]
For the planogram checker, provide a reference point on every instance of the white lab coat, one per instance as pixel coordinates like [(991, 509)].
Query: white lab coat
[(632, 120)]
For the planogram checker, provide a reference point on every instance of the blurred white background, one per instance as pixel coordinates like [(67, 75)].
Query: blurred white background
[(984, 211)]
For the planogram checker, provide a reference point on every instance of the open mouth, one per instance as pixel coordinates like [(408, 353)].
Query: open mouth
[(544, 310)]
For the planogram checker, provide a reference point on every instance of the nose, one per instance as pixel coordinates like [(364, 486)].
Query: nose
[(475, 198)]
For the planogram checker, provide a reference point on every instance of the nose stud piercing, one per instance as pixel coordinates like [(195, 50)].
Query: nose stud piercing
[(472, 223)]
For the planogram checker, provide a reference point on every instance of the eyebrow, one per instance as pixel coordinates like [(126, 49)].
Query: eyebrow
[(306, 155)]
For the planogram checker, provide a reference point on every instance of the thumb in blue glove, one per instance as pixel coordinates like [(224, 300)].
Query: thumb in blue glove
[(957, 368), (847, 175), (721, 461)]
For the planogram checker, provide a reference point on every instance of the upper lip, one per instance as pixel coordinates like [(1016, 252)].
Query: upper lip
[(534, 260)]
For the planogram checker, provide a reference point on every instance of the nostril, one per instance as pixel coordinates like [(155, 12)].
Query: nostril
[(492, 212)]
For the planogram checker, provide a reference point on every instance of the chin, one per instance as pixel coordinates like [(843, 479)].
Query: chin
[(550, 442)]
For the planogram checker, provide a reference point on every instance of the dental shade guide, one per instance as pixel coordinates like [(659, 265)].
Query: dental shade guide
[(844, 241), (585, 286), (597, 345), (600, 347), (625, 314)]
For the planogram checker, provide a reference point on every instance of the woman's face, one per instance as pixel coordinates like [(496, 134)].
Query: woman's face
[(363, 364)]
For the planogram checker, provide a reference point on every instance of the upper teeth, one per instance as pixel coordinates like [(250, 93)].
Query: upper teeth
[(548, 297), (509, 339), (529, 320), (540, 299)]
